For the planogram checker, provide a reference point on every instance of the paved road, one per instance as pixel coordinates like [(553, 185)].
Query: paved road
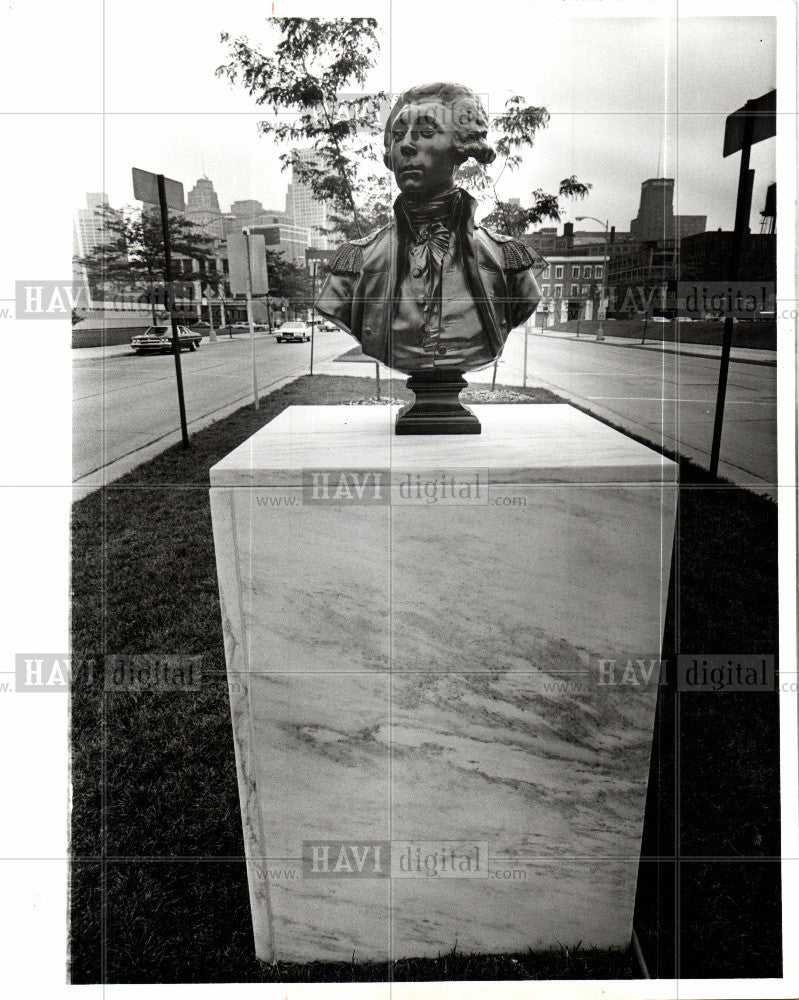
[(123, 402), (667, 398)]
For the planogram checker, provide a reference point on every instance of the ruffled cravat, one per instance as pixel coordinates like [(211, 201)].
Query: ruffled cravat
[(431, 223)]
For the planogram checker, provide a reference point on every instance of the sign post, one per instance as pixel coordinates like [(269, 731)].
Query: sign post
[(248, 277), (755, 121), (313, 255), (155, 189), (206, 297), (524, 375), (313, 308)]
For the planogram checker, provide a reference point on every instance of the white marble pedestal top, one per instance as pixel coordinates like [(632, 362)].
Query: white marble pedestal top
[(440, 660)]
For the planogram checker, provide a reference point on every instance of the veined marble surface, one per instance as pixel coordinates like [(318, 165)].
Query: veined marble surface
[(518, 443), (428, 673)]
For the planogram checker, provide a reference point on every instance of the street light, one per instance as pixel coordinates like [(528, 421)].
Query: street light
[(600, 334)]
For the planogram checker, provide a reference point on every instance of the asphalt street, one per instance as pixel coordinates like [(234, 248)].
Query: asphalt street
[(667, 398), (125, 405), (123, 402)]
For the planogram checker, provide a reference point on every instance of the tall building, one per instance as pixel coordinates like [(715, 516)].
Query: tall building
[(248, 211), (88, 232), (202, 208), (291, 241), (89, 228), (305, 209), (656, 220)]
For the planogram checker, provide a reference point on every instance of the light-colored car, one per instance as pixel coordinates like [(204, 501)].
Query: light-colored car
[(293, 333), (159, 338)]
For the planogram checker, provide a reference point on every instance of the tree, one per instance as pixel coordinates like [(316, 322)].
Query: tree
[(517, 127), (132, 254), (286, 280), (304, 80)]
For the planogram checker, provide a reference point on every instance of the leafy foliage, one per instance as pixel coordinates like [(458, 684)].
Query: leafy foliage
[(132, 253), (286, 280), (303, 82), (518, 126)]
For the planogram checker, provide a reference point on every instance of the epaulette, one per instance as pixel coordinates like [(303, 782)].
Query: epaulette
[(348, 259), (517, 256)]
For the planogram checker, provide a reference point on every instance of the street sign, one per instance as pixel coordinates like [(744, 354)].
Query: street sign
[(763, 114), (145, 188), (259, 277), (247, 278), (155, 189), (755, 121), (237, 263)]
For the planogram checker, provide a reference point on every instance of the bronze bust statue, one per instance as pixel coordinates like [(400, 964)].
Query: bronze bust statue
[(432, 294)]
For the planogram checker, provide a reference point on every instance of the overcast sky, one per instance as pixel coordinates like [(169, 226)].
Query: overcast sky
[(625, 94)]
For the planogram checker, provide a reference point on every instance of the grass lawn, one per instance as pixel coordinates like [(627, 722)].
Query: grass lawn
[(158, 882)]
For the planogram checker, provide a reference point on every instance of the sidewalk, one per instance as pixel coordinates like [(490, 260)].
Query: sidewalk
[(712, 351)]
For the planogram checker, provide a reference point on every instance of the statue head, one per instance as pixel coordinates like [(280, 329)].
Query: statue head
[(431, 131)]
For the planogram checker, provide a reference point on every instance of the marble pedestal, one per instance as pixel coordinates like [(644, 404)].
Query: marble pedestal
[(442, 698)]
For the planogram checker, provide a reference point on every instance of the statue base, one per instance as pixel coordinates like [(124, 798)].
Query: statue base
[(420, 678), (436, 408)]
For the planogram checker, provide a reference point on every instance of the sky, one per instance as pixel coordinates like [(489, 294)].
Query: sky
[(630, 97)]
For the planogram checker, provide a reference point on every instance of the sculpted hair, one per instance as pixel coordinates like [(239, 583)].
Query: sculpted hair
[(468, 116)]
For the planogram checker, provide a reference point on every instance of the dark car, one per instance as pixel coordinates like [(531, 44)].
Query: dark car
[(159, 338)]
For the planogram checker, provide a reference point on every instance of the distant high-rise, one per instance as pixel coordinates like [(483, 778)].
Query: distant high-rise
[(656, 220), (202, 208), (249, 211), (89, 231), (305, 209)]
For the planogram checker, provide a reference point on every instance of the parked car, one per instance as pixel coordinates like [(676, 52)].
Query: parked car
[(159, 338), (293, 333)]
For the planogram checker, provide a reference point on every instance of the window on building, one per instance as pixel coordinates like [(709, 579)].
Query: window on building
[(575, 270), (586, 289), (575, 290), (558, 290), (545, 291), (587, 271), (598, 271), (546, 273), (559, 270)]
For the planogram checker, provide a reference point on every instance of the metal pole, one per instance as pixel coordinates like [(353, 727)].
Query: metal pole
[(313, 308), (743, 208), (251, 323), (268, 312), (600, 333), (184, 431), (211, 330), (524, 376)]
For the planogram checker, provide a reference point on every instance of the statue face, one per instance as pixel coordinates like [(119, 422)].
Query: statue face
[(423, 152)]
